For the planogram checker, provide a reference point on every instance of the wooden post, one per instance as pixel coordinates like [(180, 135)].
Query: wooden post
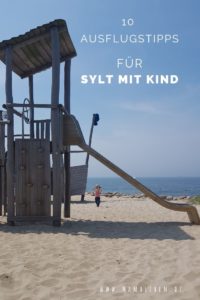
[(1, 190), (55, 127), (31, 98), (67, 197), (5, 203), (2, 161), (67, 81), (87, 155), (3, 197), (10, 137), (90, 140)]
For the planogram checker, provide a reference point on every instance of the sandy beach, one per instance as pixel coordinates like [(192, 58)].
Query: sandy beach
[(128, 248)]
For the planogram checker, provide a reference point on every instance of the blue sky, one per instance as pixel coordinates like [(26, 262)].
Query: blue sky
[(148, 130)]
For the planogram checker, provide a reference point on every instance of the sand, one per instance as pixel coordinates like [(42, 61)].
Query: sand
[(125, 249)]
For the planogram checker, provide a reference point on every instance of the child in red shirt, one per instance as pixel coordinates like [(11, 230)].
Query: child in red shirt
[(97, 194)]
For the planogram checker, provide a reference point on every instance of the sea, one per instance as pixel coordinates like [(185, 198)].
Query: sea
[(163, 186)]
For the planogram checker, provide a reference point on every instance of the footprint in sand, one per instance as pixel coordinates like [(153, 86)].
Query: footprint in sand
[(6, 280)]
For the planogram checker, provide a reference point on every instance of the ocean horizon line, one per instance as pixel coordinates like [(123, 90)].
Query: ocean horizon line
[(145, 177), (173, 186)]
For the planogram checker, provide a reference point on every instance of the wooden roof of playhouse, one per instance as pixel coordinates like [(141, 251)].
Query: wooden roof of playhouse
[(32, 50)]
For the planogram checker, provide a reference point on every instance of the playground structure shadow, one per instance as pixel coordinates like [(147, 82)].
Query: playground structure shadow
[(107, 229)]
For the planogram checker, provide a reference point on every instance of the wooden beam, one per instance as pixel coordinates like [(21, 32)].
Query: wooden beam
[(55, 126), (31, 98), (34, 105), (2, 161), (67, 106), (67, 82), (19, 114), (90, 140), (55, 66), (87, 155), (10, 134), (2, 138)]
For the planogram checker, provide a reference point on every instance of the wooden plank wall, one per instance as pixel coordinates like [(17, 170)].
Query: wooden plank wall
[(78, 179), (33, 181)]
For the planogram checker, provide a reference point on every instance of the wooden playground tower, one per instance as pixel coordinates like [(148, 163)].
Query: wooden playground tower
[(26, 178), (26, 183)]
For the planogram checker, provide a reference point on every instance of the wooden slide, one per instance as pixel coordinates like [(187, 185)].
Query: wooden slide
[(72, 135)]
